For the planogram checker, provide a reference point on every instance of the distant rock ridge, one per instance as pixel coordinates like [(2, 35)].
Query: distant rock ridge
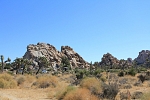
[(53, 55), (113, 62), (34, 51), (143, 56)]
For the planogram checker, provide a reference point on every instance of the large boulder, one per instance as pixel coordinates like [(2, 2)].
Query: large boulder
[(43, 50)]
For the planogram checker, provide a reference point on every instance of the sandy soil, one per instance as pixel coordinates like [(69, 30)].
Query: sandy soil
[(24, 94)]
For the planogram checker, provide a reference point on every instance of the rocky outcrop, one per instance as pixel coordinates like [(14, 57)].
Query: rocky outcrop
[(143, 56), (54, 56), (109, 60), (113, 62), (43, 50), (75, 59), (129, 60)]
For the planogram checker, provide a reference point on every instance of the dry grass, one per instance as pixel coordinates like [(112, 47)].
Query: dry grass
[(7, 81), (92, 84), (46, 81), (20, 80), (25, 81), (146, 96), (62, 93), (80, 94), (30, 78)]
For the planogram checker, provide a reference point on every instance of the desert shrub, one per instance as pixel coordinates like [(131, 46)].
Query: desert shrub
[(137, 95), (97, 72), (113, 76), (7, 81), (132, 72), (85, 72), (147, 77), (145, 96), (30, 78), (114, 70), (25, 81), (124, 96), (142, 69), (142, 78), (110, 91), (103, 79), (62, 93), (20, 80), (138, 83), (80, 74), (80, 94), (123, 81), (92, 84), (148, 73), (121, 74), (46, 81)]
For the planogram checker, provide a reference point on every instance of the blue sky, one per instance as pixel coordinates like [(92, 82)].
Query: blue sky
[(91, 27)]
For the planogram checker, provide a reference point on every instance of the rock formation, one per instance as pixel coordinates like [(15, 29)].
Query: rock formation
[(143, 56), (109, 60), (54, 56), (113, 62)]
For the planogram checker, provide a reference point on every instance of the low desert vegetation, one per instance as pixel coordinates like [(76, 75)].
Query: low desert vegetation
[(64, 91), (146, 96), (80, 94), (92, 84), (66, 83), (46, 81), (7, 81)]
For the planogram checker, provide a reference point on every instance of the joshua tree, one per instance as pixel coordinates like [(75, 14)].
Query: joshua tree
[(25, 63), (96, 65), (7, 63), (65, 63), (42, 62), (2, 60), (18, 63), (8, 60)]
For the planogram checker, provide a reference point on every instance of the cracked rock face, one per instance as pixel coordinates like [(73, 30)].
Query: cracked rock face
[(143, 56), (53, 55)]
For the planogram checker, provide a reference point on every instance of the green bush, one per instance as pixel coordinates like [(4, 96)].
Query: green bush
[(132, 72), (121, 74), (96, 72), (110, 91)]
